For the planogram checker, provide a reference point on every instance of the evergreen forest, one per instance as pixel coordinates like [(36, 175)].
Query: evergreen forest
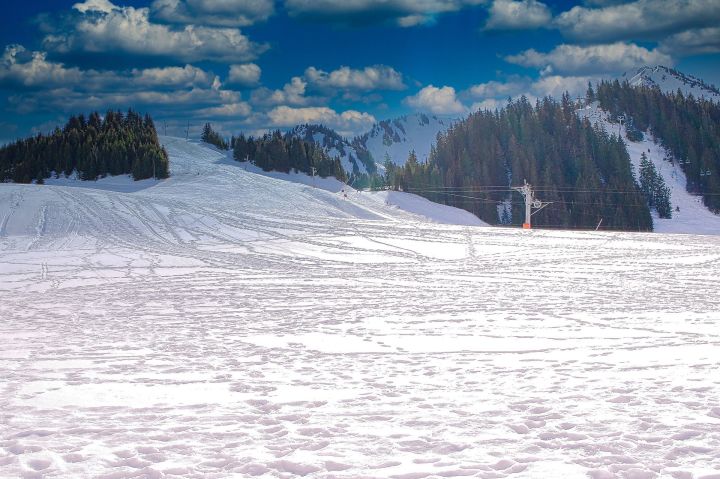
[(583, 170), (286, 152), (93, 147), (688, 127)]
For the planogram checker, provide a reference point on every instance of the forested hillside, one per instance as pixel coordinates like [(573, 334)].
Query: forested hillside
[(583, 170), (93, 147), (278, 152), (688, 127)]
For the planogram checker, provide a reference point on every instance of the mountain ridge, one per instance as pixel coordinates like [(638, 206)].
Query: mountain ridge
[(394, 138), (670, 80)]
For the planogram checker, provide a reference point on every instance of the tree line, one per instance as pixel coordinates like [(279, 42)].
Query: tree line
[(93, 147), (285, 152), (212, 137)]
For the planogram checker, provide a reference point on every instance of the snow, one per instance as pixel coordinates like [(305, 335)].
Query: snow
[(414, 134), (693, 217), (427, 209), (348, 157), (395, 138), (238, 324), (670, 81)]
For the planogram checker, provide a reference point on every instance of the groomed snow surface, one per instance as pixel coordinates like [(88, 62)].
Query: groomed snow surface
[(234, 324)]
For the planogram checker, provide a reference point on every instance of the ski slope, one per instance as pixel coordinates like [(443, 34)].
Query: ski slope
[(689, 214), (227, 323)]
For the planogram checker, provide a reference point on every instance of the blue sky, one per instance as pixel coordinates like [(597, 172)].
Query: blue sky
[(253, 65)]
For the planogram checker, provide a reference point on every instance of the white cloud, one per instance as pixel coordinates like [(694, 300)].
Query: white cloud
[(638, 19), (405, 13), (236, 109), (173, 77), (229, 13), (376, 77), (494, 94), (513, 15), (701, 40), (494, 89), (72, 100), (347, 123), (441, 101), (292, 93), (491, 104), (245, 74), (23, 68), (32, 69), (556, 85), (574, 59), (104, 6), (129, 30)]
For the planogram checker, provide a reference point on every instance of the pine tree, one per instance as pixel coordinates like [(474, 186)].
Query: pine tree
[(654, 188), (212, 137)]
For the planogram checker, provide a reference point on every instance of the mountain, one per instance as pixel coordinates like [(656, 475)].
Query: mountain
[(670, 81), (647, 159), (353, 155), (395, 138), (398, 137), (689, 214)]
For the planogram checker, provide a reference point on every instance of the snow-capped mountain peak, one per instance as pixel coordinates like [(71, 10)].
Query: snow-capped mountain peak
[(670, 80), (394, 138), (398, 137)]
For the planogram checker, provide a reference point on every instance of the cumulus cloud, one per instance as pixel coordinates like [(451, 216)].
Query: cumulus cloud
[(246, 74), (94, 6), (234, 110), (701, 40), (228, 13), (515, 15), (173, 77), (441, 101), (41, 85), (494, 89), (347, 123), (638, 19), (556, 85), (574, 59), (491, 104), (376, 77), (493, 95), (19, 67), (73, 100), (292, 93), (405, 13), (24, 69), (96, 28)]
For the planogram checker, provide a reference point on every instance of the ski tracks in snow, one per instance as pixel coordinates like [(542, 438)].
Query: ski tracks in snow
[(220, 326)]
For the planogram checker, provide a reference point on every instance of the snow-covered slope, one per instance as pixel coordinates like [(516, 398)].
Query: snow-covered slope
[(670, 81), (395, 138), (224, 323), (352, 154), (692, 217)]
